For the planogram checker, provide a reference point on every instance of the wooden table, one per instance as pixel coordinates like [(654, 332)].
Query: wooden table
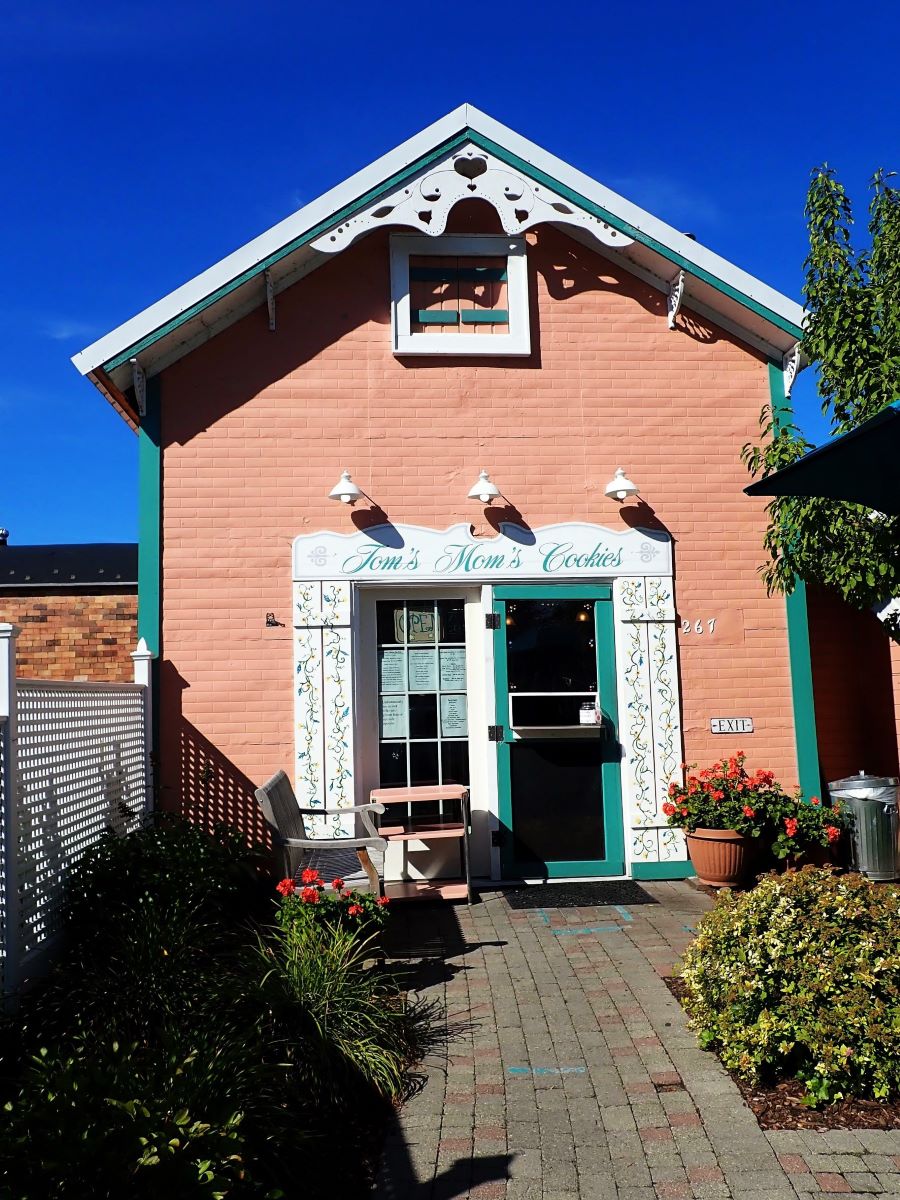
[(427, 829)]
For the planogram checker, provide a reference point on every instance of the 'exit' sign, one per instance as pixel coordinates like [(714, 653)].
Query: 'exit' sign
[(731, 724)]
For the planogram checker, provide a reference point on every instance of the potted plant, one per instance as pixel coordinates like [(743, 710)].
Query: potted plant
[(808, 833), (726, 814)]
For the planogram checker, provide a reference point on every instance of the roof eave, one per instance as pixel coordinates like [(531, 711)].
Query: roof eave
[(229, 275)]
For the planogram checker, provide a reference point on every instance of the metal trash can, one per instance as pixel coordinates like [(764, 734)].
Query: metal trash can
[(871, 801)]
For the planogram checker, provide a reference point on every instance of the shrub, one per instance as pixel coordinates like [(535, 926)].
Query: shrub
[(103, 1119), (801, 977)]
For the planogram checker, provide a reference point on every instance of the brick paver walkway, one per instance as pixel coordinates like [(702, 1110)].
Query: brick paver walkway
[(571, 1071)]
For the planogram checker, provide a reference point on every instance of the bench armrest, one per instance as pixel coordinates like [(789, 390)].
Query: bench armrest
[(369, 843)]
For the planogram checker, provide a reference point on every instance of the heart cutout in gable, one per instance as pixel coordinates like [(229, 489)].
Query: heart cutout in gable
[(471, 168)]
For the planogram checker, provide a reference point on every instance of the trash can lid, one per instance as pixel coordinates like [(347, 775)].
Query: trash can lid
[(863, 782)]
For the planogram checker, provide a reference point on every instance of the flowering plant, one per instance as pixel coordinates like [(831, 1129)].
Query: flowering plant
[(310, 899), (728, 796)]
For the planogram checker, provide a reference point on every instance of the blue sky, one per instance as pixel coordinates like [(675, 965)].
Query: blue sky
[(141, 142)]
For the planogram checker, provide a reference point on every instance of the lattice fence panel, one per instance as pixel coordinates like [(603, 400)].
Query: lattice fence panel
[(81, 771)]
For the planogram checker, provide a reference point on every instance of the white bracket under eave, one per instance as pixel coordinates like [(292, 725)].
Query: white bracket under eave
[(139, 380), (270, 299), (790, 366), (676, 295)]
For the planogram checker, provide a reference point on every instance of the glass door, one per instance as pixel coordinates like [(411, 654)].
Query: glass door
[(558, 751)]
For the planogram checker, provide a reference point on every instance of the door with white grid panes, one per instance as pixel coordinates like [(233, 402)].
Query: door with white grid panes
[(423, 727)]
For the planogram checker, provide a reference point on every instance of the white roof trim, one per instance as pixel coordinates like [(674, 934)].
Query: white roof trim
[(170, 307)]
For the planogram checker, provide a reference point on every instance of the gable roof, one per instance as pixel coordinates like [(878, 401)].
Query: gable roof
[(238, 283)]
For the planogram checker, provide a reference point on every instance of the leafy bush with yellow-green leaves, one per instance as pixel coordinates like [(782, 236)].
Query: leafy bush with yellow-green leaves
[(800, 977)]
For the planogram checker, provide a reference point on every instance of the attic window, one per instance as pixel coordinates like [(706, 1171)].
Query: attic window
[(459, 295)]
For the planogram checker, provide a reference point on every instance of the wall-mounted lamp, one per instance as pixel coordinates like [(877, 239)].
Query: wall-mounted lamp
[(345, 490), (484, 489), (620, 487)]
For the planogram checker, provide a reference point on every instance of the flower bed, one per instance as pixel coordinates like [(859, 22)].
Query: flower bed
[(187, 1046)]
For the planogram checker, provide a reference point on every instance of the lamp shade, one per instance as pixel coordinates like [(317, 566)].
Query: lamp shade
[(484, 489), (620, 487), (345, 490)]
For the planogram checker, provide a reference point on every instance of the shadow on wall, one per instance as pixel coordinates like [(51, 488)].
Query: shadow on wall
[(198, 781), (853, 687)]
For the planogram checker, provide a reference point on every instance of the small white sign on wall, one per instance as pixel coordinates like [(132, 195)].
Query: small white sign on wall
[(731, 724)]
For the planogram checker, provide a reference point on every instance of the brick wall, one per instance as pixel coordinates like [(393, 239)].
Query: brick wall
[(73, 634), (257, 427), (854, 695)]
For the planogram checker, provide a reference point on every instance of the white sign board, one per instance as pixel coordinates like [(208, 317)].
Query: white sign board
[(731, 724), (410, 554)]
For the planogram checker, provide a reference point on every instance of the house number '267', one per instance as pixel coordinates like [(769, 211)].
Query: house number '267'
[(707, 626)]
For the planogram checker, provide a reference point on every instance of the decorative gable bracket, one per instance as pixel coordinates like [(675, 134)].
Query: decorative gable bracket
[(791, 367), (675, 297), (471, 173)]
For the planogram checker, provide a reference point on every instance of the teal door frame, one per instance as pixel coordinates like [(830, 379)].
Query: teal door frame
[(613, 862)]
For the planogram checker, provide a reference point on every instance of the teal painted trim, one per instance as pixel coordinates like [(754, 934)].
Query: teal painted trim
[(434, 316), (613, 828), (805, 732), (484, 316), (149, 513), (277, 255), (632, 231), (398, 178), (802, 693), (554, 591), (662, 870)]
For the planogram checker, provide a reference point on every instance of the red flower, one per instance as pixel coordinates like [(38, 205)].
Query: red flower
[(739, 788), (310, 876), (718, 795), (337, 884), (833, 832), (790, 825), (346, 895), (684, 812), (673, 788), (669, 809), (355, 909), (310, 895), (814, 800), (287, 887), (748, 811), (383, 901)]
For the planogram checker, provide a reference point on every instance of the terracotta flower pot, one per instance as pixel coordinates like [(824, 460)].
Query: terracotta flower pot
[(721, 857)]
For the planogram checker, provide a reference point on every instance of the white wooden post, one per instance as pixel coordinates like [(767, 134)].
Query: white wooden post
[(142, 657), (12, 919)]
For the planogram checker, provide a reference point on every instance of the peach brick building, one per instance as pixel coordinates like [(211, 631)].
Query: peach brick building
[(467, 303)]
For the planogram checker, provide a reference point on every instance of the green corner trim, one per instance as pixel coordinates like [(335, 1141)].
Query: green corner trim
[(149, 512), (805, 733), (400, 177), (662, 870)]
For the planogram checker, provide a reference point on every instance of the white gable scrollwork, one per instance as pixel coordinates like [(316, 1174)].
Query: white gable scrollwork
[(424, 204)]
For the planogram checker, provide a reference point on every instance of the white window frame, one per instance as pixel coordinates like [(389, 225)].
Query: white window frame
[(516, 342)]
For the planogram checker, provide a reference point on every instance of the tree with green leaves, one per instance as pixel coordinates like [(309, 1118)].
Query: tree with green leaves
[(852, 337)]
